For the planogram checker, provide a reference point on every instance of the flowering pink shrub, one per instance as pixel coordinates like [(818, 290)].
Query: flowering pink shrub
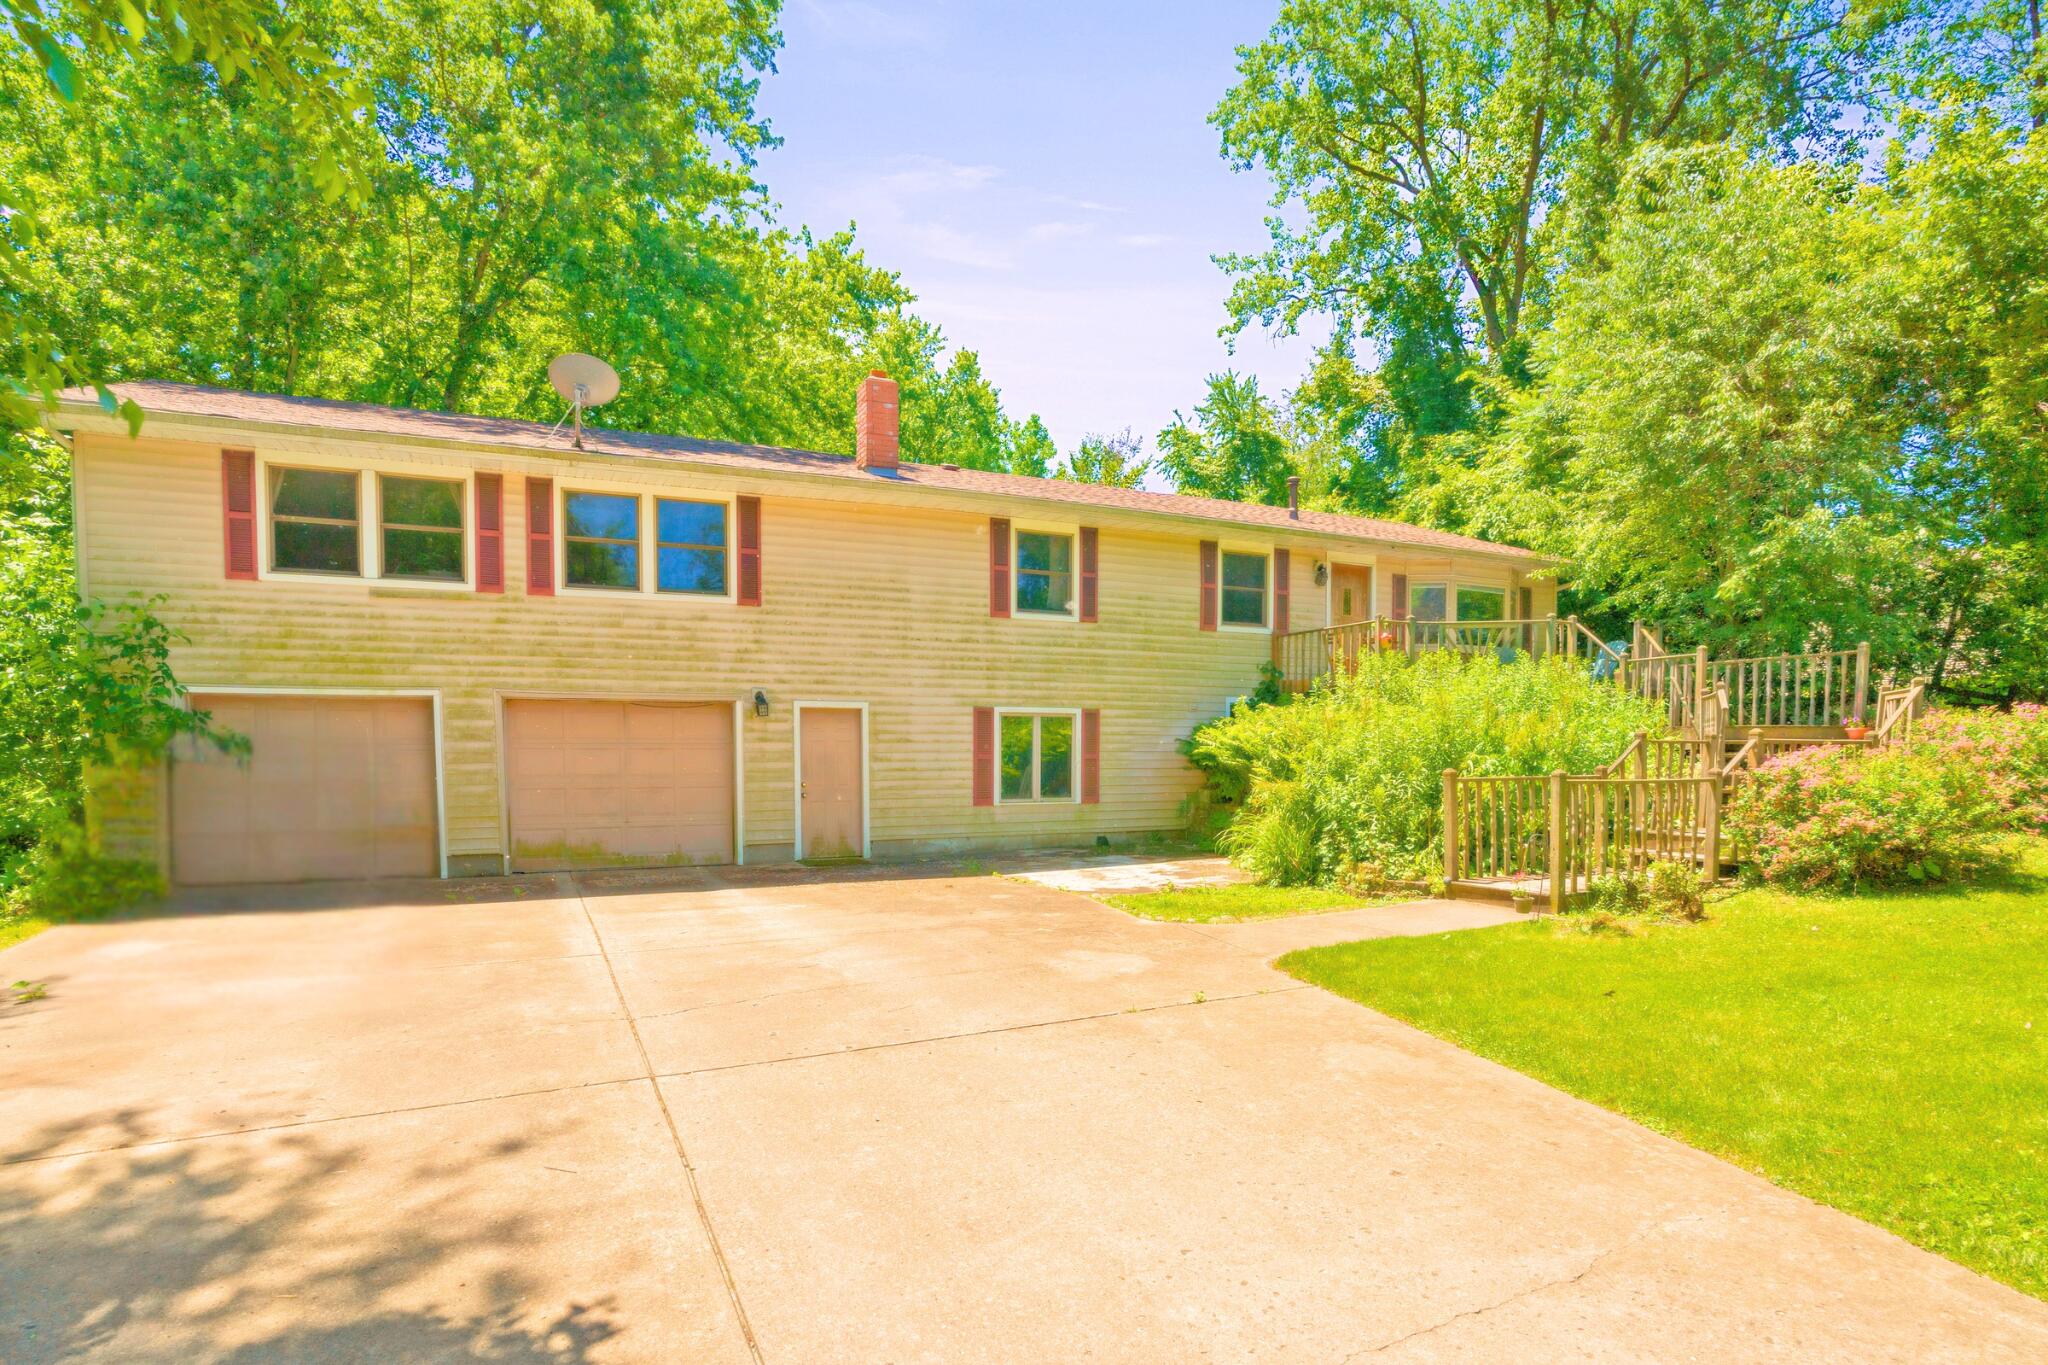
[(2006, 750), (1839, 816)]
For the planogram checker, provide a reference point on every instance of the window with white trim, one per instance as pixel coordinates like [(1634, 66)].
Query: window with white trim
[(1244, 588), (689, 546), (419, 524), (1045, 573), (1429, 601), (315, 521), (1037, 756), (601, 540), (1482, 604)]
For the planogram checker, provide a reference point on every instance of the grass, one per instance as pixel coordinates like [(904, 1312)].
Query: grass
[(1886, 1053), (1218, 904), (15, 928)]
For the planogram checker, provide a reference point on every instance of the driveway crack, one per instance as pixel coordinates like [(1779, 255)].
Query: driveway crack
[(1546, 1286), (675, 1133)]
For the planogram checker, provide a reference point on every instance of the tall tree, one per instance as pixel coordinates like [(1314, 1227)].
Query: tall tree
[(1234, 447), (1436, 162), (1116, 460)]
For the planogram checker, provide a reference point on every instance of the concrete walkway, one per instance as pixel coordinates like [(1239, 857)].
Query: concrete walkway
[(875, 1115)]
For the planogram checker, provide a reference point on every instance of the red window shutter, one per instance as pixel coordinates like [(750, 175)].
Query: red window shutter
[(1400, 607), (998, 566), (540, 537), (984, 756), (1089, 551), (1282, 564), (238, 511), (1091, 758), (750, 551), (1209, 570), (490, 533)]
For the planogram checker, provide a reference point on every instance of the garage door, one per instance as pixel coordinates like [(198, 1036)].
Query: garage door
[(332, 787), (618, 784)]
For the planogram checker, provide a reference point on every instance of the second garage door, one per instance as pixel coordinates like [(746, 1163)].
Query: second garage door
[(618, 784)]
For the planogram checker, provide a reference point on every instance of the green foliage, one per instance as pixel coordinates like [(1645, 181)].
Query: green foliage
[(79, 683), (1234, 448), (1116, 461), (240, 46), (2008, 751), (1230, 904), (1442, 162), (566, 176), (1788, 410), (1353, 774), (1840, 817), (64, 879)]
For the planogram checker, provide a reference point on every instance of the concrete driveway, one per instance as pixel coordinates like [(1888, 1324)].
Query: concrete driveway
[(877, 1116)]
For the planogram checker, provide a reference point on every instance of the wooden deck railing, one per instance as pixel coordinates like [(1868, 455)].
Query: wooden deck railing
[(1558, 834), (1795, 689), (1303, 656)]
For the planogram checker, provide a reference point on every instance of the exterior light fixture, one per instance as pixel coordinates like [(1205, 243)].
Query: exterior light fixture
[(760, 702), (1322, 572)]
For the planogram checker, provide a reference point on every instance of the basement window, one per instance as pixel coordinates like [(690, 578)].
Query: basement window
[(420, 521), (314, 524), (1037, 756), (689, 546), (601, 541)]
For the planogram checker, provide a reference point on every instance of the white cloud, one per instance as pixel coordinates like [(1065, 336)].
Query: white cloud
[(949, 244), (859, 24), (1056, 230)]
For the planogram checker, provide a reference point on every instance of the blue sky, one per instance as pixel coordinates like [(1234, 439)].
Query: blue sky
[(1044, 178)]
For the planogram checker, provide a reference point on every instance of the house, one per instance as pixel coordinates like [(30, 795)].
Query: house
[(464, 646)]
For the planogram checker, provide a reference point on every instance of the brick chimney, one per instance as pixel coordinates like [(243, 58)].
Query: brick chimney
[(874, 423)]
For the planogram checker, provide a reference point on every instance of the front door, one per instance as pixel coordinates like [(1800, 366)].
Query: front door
[(1350, 594), (830, 767)]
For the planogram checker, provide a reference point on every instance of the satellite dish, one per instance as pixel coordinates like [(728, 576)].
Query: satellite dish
[(584, 381)]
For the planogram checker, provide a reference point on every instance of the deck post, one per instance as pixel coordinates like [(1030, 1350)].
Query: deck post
[(1450, 827), (1556, 850), (1641, 751), (1550, 633), (1862, 676), (1710, 797)]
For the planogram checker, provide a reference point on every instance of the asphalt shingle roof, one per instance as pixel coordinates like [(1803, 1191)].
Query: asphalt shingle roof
[(370, 419)]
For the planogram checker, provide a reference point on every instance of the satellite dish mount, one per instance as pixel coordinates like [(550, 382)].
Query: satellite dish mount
[(584, 381)]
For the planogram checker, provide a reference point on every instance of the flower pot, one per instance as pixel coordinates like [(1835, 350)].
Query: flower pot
[(1856, 731), (1386, 639), (1524, 903)]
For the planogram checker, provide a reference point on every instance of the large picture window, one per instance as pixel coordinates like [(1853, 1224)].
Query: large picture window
[(689, 546), (1482, 604), (420, 521), (1429, 601), (601, 540), (1045, 573), (315, 526), (1244, 589), (1037, 757)]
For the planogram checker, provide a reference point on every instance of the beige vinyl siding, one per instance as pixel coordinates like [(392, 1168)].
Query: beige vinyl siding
[(862, 602)]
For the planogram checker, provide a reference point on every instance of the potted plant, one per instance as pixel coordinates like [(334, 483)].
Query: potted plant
[(1386, 639), (1522, 894), (1854, 728)]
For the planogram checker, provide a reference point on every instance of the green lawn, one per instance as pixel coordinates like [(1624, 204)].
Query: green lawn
[(1886, 1054), (14, 930), (1211, 904)]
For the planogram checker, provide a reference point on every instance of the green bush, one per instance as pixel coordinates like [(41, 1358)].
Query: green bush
[(2008, 751), (1841, 817), (63, 879), (1352, 774)]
